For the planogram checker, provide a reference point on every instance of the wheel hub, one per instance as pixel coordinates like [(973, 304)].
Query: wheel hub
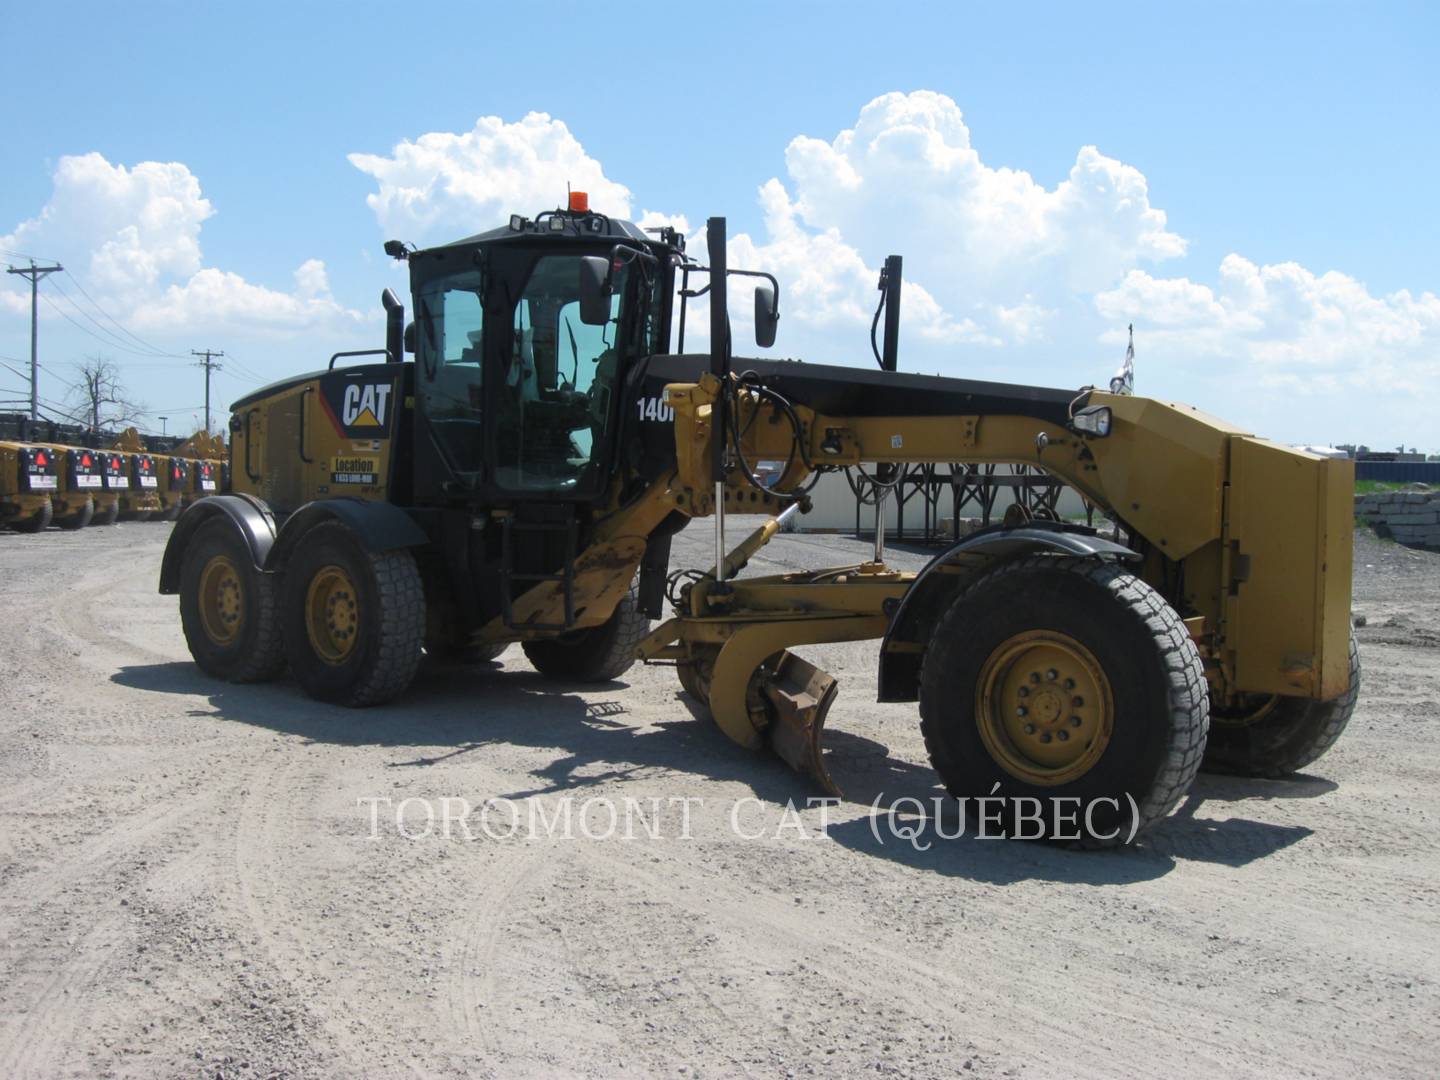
[(1044, 708), (222, 600), (332, 614)]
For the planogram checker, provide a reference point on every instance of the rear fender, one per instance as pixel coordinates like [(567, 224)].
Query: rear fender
[(252, 519), (378, 526), (952, 570)]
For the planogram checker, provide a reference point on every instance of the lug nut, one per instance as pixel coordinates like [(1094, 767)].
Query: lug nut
[(1029, 729), (1077, 701), (1024, 691), (1021, 711), (1063, 736), (1069, 684), (1052, 674), (1074, 721), (1045, 737), (1035, 676)]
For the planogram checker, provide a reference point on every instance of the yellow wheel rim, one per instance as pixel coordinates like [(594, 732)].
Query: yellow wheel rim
[(1248, 709), (1044, 708), (222, 600), (332, 614)]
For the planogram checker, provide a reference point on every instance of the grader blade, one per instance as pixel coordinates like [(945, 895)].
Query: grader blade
[(800, 695)]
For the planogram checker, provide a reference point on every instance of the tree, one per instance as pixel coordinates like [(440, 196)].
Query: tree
[(101, 395)]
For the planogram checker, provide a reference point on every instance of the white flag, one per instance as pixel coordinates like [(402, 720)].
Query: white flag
[(1124, 380)]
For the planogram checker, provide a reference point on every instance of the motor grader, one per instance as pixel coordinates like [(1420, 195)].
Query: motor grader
[(29, 478), (134, 474), (521, 478)]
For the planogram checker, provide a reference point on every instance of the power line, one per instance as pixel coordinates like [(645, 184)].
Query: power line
[(128, 333), (119, 342), (110, 340), (34, 273)]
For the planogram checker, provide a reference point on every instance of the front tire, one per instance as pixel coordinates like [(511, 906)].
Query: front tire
[(228, 608), (597, 654), (354, 620), (1281, 735), (1069, 690)]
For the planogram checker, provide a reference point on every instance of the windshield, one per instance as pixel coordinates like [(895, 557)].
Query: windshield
[(556, 401), (551, 405)]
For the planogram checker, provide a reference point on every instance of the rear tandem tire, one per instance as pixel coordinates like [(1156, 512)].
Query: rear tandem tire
[(77, 519), (36, 522), (1068, 687), (1289, 733), (108, 516), (228, 608), (598, 654), (353, 620)]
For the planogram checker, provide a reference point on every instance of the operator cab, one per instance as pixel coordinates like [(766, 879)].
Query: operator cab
[(521, 337)]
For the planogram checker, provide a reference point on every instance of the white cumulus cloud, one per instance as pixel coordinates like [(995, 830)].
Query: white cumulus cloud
[(132, 235), (442, 185), (990, 254), (1287, 326), (906, 178)]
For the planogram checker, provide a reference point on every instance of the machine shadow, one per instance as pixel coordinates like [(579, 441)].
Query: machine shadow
[(455, 711)]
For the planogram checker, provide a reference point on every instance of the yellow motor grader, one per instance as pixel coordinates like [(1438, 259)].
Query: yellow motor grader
[(521, 478), (29, 479), (136, 477)]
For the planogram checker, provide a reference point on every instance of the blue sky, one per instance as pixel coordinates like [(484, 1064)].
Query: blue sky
[(1288, 135)]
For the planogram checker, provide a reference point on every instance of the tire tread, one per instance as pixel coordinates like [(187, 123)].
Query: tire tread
[(1189, 695)]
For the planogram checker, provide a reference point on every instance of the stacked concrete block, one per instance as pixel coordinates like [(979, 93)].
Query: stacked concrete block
[(1410, 517)]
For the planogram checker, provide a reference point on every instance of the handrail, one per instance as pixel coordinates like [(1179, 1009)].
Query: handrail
[(362, 352), (248, 441), (306, 460)]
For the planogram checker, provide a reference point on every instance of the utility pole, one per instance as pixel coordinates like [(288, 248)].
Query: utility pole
[(34, 273), (162, 425), (208, 363)]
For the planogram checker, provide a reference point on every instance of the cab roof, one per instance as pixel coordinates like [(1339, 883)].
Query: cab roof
[(571, 225)]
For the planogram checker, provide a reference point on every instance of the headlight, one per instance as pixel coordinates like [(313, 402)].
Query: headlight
[(1093, 421)]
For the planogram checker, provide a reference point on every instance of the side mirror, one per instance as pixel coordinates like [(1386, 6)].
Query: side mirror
[(594, 290), (767, 316), (410, 336), (394, 325)]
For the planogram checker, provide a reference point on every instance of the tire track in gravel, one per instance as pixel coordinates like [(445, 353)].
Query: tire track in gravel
[(1036, 1029), (262, 855), (38, 1042), (523, 872), (51, 1009), (735, 1030)]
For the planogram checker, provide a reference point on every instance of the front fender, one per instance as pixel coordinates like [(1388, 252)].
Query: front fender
[(953, 569), (379, 526), (253, 521)]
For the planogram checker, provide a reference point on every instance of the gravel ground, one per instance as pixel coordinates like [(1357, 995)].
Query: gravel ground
[(192, 883)]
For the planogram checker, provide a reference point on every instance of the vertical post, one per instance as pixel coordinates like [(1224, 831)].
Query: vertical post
[(891, 348), (34, 354), (34, 273), (208, 363), (881, 494), (720, 368)]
